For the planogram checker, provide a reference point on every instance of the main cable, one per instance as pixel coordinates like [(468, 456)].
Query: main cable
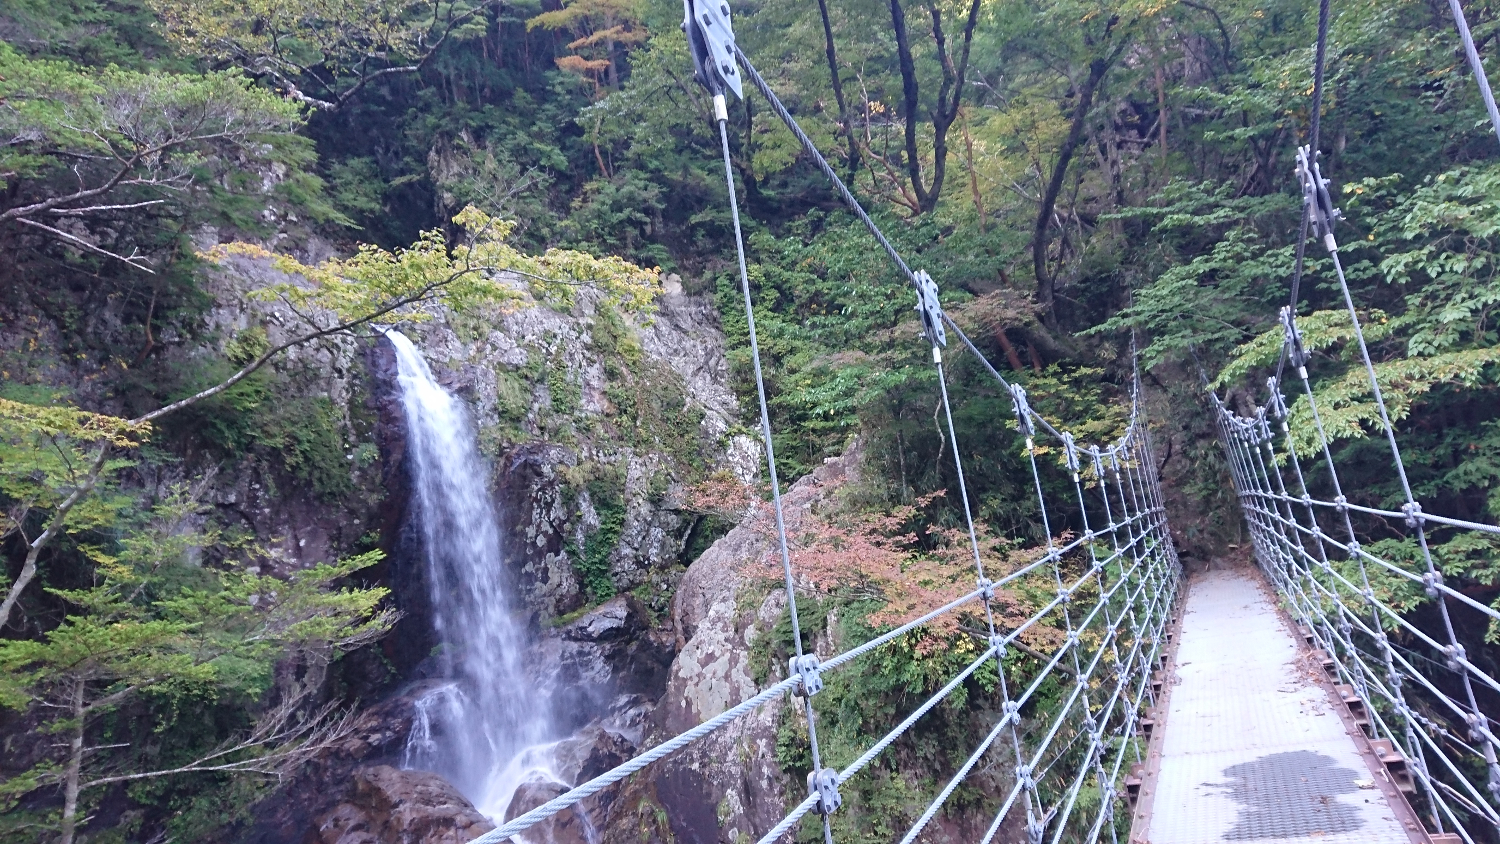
[(1475, 64)]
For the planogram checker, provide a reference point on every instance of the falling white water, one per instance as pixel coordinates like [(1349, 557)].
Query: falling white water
[(488, 730)]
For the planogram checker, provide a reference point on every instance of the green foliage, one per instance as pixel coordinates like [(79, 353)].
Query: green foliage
[(606, 492), (158, 628), (158, 126)]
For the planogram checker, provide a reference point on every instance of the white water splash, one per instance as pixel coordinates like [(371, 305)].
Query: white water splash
[(488, 731)]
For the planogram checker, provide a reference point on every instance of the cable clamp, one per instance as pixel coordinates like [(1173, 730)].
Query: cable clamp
[(710, 35), (1456, 656), (1354, 549), (997, 644), (1316, 198), (1070, 452), (1011, 708), (1023, 775), (930, 309), (1413, 512), (1293, 338), (1277, 400), (1340, 503), (1064, 595), (806, 667), (986, 589), (1431, 581), (1023, 413), (824, 784)]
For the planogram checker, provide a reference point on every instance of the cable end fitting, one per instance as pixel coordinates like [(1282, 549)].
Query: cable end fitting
[(721, 109)]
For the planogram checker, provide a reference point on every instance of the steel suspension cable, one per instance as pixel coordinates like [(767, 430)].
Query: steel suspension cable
[(1476, 66)]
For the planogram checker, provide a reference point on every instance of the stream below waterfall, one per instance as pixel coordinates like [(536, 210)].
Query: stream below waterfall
[(489, 730)]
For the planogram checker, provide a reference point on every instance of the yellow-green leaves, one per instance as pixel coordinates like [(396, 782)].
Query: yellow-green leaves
[(1320, 330), (162, 123), (47, 451), (407, 284)]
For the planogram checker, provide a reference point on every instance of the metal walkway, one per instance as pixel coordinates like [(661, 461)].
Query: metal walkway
[(1253, 746)]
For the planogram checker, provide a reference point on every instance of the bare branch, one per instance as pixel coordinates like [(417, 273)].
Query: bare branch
[(291, 737), (95, 209), (133, 259)]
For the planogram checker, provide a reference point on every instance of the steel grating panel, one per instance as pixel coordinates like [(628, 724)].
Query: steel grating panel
[(1253, 749)]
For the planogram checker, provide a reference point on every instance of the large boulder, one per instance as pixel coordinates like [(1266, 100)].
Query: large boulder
[(726, 787), (391, 806)]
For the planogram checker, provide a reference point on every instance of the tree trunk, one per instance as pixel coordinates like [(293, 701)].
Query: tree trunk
[(1009, 349), (949, 98), (845, 126), (911, 100), (75, 765), (1039, 239)]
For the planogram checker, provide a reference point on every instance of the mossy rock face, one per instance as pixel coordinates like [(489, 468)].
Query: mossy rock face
[(596, 420)]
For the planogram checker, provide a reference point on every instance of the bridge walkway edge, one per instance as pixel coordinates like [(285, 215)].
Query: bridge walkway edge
[(1254, 743)]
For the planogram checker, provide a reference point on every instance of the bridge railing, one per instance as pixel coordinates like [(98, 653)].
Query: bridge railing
[(1412, 687), (1071, 679)]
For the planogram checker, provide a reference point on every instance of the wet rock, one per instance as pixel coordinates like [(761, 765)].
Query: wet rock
[(590, 752), (570, 826), (403, 568), (392, 806), (606, 656), (535, 511)]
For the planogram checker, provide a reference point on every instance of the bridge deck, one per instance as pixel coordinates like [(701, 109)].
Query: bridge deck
[(1252, 747)]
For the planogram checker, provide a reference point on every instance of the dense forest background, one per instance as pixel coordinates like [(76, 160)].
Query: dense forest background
[(1068, 171)]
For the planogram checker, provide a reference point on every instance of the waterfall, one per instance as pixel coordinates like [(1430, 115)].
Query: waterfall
[(485, 731)]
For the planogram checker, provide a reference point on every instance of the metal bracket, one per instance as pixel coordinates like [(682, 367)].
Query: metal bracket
[(824, 784), (1023, 412), (710, 37), (807, 668), (1315, 196), (1413, 512), (1070, 451), (997, 642), (1296, 353), (986, 589), (930, 309), (1455, 656)]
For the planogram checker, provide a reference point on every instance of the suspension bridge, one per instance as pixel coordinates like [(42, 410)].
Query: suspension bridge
[(1292, 701)]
